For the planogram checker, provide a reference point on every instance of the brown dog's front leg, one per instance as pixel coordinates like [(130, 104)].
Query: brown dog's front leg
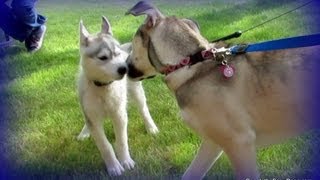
[(242, 154), (208, 153)]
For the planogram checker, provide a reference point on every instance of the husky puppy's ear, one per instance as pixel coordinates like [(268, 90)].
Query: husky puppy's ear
[(145, 7), (105, 26), (84, 34)]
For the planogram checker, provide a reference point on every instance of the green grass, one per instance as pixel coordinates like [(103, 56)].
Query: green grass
[(45, 114)]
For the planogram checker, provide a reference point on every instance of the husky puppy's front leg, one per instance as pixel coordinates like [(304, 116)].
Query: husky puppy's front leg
[(114, 168), (120, 122), (137, 93), (94, 114)]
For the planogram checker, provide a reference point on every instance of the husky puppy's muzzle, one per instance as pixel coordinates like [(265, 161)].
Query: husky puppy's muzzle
[(122, 70)]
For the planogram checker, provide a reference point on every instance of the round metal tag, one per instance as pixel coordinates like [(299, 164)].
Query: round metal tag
[(228, 71)]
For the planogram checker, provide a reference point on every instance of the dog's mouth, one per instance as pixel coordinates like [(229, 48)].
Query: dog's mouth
[(134, 73), (137, 75), (150, 77)]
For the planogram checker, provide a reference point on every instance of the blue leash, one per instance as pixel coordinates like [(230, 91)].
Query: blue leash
[(286, 43)]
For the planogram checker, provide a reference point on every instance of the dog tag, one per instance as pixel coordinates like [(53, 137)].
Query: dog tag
[(227, 71)]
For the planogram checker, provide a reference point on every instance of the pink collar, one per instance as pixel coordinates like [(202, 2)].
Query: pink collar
[(193, 59)]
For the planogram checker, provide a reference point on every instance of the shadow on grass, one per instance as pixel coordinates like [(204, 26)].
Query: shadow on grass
[(23, 101), (20, 63)]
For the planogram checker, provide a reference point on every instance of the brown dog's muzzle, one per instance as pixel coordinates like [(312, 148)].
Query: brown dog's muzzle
[(133, 72)]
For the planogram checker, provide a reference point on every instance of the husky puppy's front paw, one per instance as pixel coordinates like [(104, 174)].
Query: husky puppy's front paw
[(128, 163), (152, 129), (83, 136), (115, 169)]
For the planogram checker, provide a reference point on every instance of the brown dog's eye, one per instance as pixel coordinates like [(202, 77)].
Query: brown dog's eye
[(103, 58)]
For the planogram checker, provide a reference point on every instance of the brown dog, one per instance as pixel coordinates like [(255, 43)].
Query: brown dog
[(262, 104)]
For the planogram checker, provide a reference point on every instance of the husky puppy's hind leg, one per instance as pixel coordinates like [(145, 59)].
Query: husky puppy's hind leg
[(136, 92), (84, 134)]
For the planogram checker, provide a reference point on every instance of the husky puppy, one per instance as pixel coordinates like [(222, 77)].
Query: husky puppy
[(102, 88)]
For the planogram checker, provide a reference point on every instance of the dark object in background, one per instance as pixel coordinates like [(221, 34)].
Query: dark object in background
[(5, 42)]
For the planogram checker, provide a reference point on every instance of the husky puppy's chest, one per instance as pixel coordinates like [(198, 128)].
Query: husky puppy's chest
[(106, 96)]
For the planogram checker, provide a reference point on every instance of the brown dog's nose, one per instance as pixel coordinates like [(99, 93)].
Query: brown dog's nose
[(122, 70)]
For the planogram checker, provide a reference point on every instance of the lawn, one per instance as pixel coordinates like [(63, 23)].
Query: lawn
[(45, 116)]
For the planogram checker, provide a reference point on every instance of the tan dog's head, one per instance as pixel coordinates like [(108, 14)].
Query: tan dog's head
[(101, 57), (161, 41)]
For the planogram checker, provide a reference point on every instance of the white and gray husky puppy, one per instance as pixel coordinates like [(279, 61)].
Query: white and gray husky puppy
[(103, 88)]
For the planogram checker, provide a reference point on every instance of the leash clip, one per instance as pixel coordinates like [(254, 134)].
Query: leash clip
[(228, 52), (224, 51), (224, 62)]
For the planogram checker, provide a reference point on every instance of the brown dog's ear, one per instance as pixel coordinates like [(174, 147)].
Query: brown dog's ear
[(84, 34), (145, 7), (105, 26), (192, 24)]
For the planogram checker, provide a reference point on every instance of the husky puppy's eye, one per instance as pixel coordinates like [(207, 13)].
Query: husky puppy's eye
[(103, 58)]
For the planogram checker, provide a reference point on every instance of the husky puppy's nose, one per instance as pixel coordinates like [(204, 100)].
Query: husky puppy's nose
[(122, 70)]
